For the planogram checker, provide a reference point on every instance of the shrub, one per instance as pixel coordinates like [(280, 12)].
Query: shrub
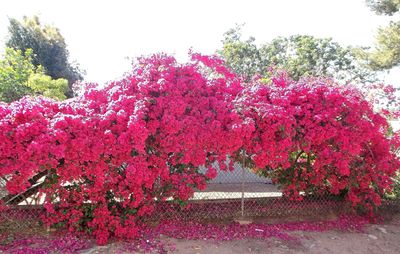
[(110, 155), (315, 136)]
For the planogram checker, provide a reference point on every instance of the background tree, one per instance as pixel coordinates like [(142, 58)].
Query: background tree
[(244, 57), (20, 77), (49, 48), (386, 53), (299, 55), (384, 7)]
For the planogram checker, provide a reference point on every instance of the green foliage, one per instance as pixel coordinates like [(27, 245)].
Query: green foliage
[(299, 55), (386, 53), (384, 7), (20, 77), (44, 85), (303, 55), (15, 70), (49, 47), (244, 57)]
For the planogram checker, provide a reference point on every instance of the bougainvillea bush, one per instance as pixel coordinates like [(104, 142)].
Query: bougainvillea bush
[(109, 155), (316, 136), (103, 160)]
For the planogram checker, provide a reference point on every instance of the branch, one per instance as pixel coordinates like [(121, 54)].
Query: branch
[(16, 198)]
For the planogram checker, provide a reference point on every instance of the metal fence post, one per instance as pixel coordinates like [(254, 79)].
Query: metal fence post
[(243, 176)]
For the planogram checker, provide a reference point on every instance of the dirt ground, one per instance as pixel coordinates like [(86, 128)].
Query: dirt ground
[(376, 238), (380, 238)]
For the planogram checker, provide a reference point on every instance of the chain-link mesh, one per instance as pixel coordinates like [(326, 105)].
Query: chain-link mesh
[(21, 219), (233, 194), (243, 194)]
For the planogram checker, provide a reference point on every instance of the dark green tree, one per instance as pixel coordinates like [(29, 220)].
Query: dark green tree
[(384, 7), (49, 48)]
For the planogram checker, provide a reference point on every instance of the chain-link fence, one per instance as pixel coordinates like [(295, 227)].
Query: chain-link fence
[(231, 195), (242, 194)]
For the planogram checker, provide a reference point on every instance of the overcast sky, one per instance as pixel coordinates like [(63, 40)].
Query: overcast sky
[(101, 34)]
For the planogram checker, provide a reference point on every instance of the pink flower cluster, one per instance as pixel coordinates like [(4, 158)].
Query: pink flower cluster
[(109, 155), (316, 137)]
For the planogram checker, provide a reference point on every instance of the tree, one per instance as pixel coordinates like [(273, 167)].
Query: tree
[(20, 77), (49, 48), (386, 53), (299, 55), (48, 87), (15, 70), (384, 7), (244, 57)]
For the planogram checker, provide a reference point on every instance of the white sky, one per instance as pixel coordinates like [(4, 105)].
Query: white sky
[(101, 34)]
